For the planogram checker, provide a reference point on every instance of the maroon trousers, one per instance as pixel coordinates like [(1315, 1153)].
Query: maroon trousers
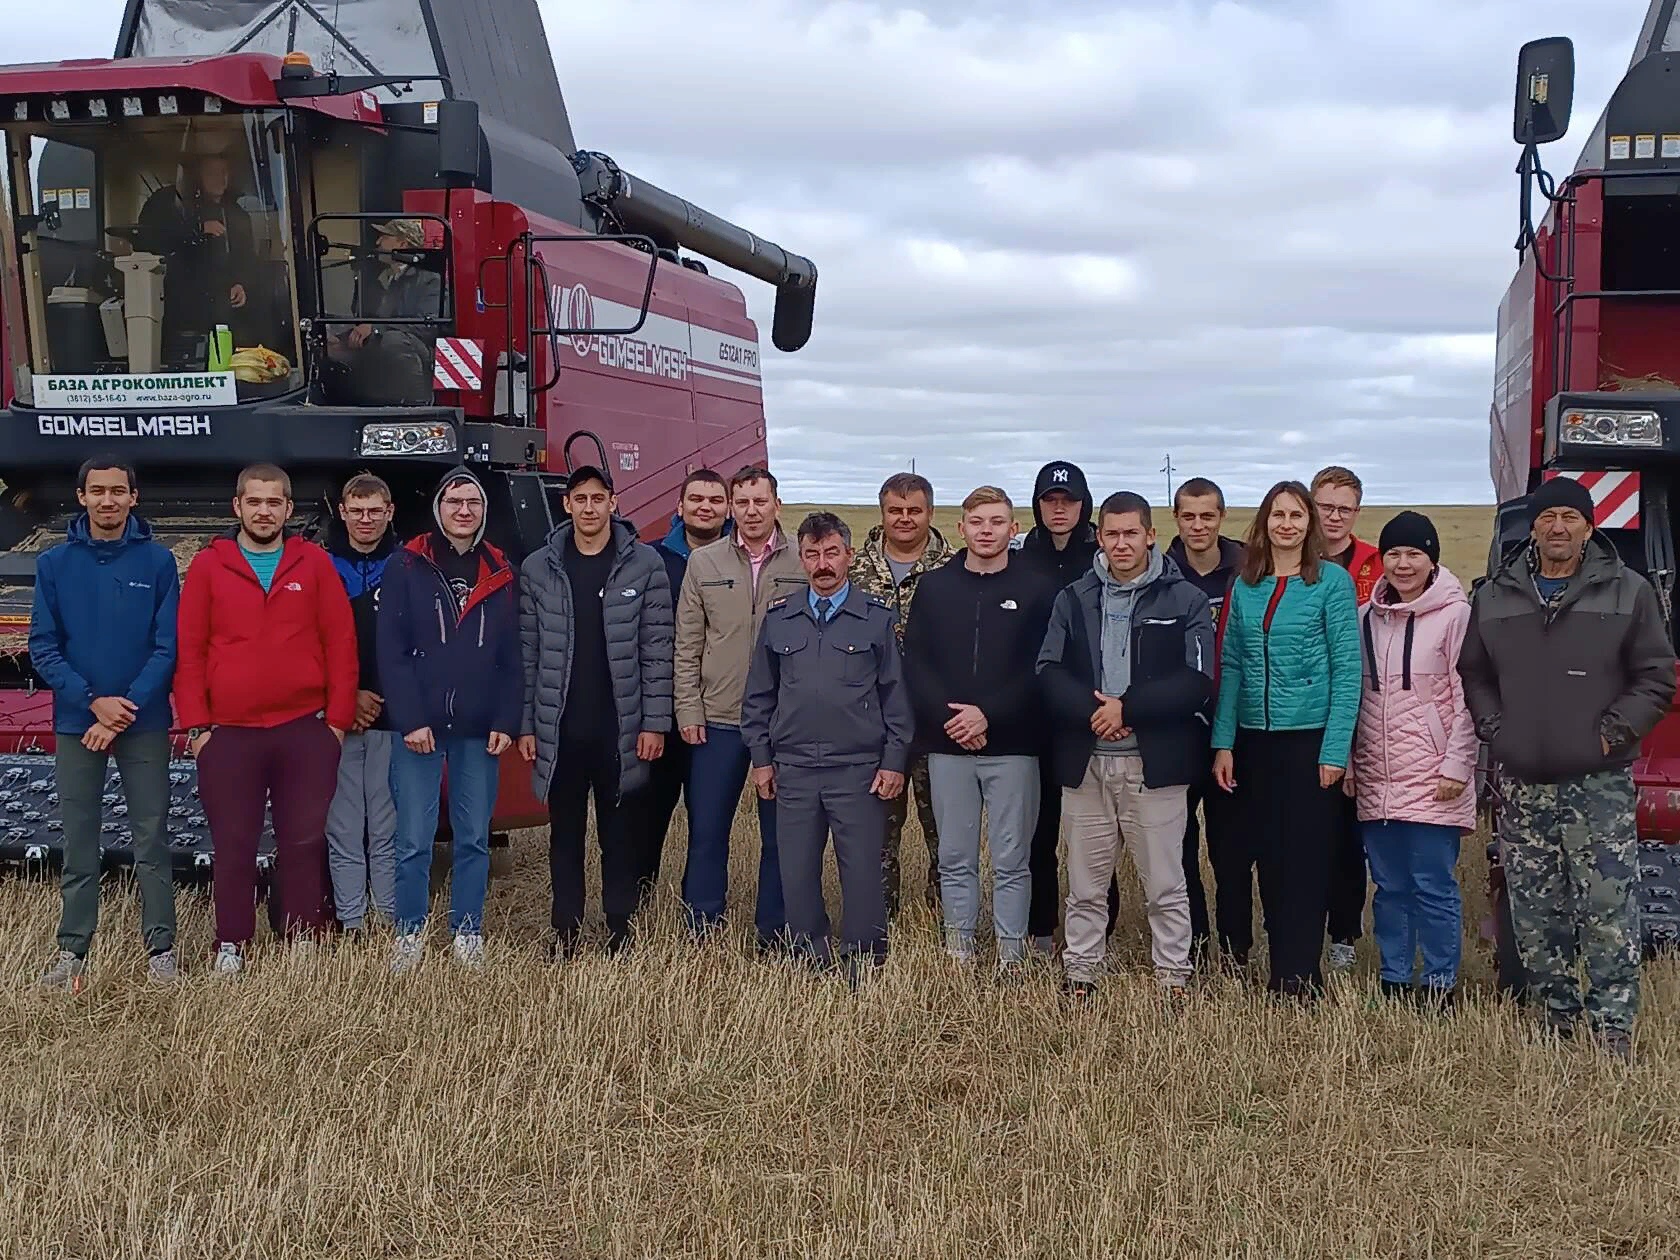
[(242, 770)]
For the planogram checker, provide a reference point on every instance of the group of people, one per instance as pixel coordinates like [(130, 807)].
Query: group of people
[(1319, 701)]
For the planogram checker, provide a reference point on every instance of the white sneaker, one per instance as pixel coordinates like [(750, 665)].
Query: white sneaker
[(305, 947), (67, 973), (406, 952), (229, 961), (469, 949), (162, 968), (1342, 957)]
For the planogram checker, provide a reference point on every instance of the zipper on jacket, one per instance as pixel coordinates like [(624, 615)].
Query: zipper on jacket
[(481, 625), (443, 630), (1266, 648)]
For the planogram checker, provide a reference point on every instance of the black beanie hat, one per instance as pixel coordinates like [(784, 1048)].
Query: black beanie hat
[(1411, 529), (1561, 492)]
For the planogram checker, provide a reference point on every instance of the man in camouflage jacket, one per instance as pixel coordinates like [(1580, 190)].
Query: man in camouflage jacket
[(888, 566)]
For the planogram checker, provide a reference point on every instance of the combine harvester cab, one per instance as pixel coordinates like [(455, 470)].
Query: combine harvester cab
[(561, 312), (1588, 377)]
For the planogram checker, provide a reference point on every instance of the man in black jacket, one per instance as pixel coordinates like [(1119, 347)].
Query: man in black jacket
[(1567, 666), (1127, 670), (1209, 561), (362, 823), (978, 719), (1059, 547)]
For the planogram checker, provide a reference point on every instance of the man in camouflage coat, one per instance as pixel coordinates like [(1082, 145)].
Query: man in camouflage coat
[(1567, 666), (888, 565)]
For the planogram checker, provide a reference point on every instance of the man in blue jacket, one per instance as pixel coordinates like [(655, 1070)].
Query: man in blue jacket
[(702, 517), (102, 635), (448, 636)]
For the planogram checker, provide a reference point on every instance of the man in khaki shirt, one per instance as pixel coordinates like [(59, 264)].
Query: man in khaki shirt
[(728, 586)]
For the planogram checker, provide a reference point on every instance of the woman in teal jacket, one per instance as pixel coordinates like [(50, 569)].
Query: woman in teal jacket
[(1289, 686)]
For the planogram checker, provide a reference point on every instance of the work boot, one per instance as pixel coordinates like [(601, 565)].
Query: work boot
[(66, 974)]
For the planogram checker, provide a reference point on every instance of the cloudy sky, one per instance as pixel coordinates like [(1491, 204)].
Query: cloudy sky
[(1256, 235)]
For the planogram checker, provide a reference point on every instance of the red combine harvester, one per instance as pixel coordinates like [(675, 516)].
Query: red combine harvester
[(563, 312), (1587, 383)]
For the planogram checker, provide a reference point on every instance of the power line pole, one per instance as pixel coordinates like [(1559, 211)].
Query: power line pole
[(1168, 469)]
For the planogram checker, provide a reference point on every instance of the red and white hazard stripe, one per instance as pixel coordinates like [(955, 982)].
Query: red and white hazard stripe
[(1615, 496), (458, 364)]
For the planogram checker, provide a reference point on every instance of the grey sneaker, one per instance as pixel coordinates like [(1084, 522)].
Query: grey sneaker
[(162, 969), (1342, 957), (66, 974), (469, 949), (1043, 947), (406, 952), (229, 960)]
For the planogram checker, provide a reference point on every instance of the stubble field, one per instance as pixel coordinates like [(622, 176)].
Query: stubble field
[(697, 1102)]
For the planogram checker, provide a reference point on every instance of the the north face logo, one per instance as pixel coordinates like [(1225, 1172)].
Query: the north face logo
[(294, 586)]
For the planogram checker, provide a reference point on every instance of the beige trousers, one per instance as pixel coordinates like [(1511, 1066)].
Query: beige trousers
[(1111, 806)]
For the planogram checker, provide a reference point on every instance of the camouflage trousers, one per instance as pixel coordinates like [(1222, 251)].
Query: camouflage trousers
[(898, 811), (1570, 856)]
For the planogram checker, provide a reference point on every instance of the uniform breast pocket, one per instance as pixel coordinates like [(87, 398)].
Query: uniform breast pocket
[(855, 661), (792, 658)]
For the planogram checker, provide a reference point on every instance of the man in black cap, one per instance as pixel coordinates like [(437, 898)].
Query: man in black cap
[(1061, 548), (595, 628), (1567, 666)]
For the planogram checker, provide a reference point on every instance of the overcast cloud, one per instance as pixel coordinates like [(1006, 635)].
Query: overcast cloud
[(1259, 235)]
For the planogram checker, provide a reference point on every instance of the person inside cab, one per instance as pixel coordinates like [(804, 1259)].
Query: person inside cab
[(206, 239), (381, 364)]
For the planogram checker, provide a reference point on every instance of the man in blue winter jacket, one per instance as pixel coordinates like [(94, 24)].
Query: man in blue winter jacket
[(102, 635), (448, 636)]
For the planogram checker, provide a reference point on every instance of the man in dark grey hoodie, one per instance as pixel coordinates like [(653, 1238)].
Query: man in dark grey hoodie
[(1059, 548)]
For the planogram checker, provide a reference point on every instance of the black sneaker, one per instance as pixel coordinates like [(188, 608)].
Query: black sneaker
[(1080, 990), (1398, 990)]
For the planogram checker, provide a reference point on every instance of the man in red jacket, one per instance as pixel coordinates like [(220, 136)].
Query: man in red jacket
[(1338, 493), (266, 684)]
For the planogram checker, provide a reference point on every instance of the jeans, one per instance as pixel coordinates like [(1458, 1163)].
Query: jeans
[(717, 773), (143, 763), (1417, 909), (1007, 789), (473, 781)]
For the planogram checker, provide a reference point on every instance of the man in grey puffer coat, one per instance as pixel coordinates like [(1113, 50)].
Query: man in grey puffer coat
[(595, 630)]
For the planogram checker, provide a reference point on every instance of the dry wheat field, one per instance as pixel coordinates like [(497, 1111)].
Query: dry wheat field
[(697, 1102)]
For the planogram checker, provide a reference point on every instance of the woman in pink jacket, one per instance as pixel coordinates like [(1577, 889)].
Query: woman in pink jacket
[(1414, 757)]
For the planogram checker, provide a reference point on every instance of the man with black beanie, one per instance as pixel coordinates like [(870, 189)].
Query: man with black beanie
[(1567, 666), (1060, 548)]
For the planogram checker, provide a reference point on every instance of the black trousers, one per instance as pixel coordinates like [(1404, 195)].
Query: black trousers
[(1347, 875), (581, 770), (1044, 909), (1293, 824), (1231, 853), (648, 813)]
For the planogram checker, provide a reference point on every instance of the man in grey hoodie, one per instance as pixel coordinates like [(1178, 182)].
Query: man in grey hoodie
[(1127, 670)]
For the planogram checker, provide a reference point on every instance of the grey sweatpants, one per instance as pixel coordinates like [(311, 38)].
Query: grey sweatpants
[(809, 804), (1007, 789), (362, 828), (143, 765)]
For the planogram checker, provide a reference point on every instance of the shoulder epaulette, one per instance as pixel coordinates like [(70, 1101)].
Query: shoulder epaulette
[(880, 603), (775, 604)]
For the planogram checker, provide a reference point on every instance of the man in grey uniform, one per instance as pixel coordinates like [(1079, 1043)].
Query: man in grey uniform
[(827, 721)]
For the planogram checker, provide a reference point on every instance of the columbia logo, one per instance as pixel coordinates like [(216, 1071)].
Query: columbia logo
[(139, 586)]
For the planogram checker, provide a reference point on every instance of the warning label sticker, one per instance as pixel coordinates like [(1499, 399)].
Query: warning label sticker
[(1644, 148), (1620, 149), (1671, 146)]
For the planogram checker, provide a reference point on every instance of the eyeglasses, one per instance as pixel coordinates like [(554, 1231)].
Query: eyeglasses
[(1329, 509), (459, 505), (367, 514)]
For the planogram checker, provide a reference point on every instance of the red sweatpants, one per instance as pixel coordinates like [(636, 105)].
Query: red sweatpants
[(242, 769)]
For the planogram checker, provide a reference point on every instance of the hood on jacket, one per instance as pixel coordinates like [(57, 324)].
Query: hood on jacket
[(1059, 474), (455, 476), (1600, 563), (1230, 553), (1152, 572), (936, 553), (136, 530), (1443, 591), (676, 538)]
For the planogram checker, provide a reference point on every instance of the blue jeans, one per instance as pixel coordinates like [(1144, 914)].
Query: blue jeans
[(415, 780), (1417, 909), (717, 772)]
